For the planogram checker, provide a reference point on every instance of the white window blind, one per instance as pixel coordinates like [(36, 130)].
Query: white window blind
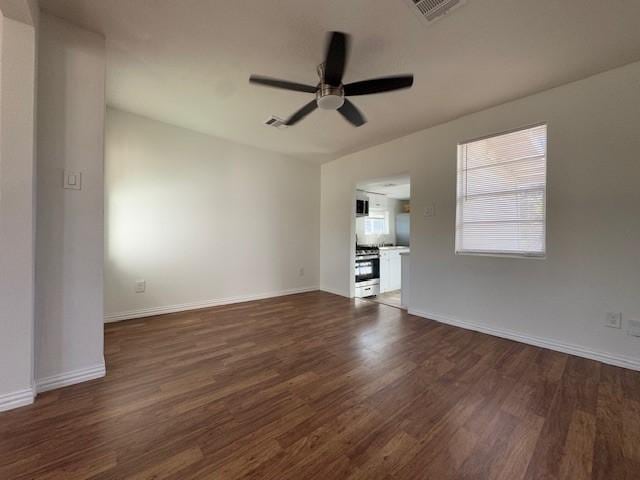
[(502, 194)]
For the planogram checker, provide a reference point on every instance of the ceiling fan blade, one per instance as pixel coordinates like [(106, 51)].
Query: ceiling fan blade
[(352, 114), (303, 112), (336, 58), (284, 84), (378, 85)]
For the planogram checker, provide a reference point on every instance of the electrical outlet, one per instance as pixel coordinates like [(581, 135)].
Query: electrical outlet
[(141, 286), (634, 328), (301, 273), (613, 320)]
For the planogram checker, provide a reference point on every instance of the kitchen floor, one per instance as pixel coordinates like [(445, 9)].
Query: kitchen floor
[(393, 299)]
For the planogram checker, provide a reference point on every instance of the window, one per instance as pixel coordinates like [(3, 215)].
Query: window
[(377, 223), (502, 194)]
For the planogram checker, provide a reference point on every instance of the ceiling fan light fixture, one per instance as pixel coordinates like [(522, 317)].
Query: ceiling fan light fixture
[(330, 98), (330, 93)]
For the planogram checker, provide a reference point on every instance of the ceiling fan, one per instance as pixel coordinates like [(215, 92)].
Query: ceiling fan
[(330, 93)]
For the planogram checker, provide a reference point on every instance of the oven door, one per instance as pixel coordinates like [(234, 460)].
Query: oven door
[(368, 269)]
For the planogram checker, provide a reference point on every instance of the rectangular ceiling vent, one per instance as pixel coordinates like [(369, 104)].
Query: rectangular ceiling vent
[(276, 122), (433, 10)]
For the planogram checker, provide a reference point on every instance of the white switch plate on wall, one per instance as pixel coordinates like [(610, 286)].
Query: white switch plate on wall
[(72, 180), (141, 286), (613, 320), (430, 211)]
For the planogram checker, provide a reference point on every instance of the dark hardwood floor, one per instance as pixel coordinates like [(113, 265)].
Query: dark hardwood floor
[(318, 386)]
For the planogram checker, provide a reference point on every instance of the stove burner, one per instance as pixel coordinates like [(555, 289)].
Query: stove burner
[(367, 250)]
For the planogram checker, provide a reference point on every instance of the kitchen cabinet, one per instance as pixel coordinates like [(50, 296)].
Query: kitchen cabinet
[(377, 202), (404, 297), (390, 270), (395, 271), (384, 272)]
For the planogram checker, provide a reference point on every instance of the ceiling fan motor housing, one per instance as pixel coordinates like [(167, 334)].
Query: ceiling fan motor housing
[(330, 97)]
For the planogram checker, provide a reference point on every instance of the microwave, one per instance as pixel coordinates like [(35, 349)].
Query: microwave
[(362, 208)]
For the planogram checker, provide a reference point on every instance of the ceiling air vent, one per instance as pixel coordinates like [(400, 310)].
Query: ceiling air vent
[(432, 10), (276, 122)]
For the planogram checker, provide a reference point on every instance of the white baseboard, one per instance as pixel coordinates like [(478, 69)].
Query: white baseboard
[(70, 378), (610, 359), (25, 397), (335, 292), (152, 311), (16, 399)]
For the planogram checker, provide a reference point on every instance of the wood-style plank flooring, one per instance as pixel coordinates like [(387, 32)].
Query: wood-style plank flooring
[(316, 386)]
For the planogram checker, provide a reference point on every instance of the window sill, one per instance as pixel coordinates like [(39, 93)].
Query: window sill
[(531, 256)]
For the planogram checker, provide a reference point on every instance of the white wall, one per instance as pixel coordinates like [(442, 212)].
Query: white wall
[(203, 220), (17, 212), (23, 11), (70, 248), (593, 261)]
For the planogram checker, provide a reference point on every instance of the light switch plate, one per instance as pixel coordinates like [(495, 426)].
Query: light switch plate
[(141, 286), (613, 320), (430, 211), (72, 180)]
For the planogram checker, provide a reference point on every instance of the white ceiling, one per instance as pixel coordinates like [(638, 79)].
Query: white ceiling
[(188, 62), (393, 187)]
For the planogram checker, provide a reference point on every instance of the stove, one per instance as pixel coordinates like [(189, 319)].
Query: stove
[(367, 250), (367, 271)]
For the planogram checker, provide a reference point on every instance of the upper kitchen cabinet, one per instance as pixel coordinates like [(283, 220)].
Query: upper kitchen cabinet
[(377, 202)]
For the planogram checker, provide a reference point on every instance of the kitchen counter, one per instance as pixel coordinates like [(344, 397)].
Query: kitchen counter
[(398, 248)]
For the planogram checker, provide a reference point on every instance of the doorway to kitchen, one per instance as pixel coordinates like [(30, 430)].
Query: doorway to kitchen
[(382, 247)]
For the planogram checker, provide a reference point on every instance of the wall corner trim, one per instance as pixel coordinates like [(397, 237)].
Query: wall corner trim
[(153, 311), (578, 351), (16, 399), (71, 378)]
